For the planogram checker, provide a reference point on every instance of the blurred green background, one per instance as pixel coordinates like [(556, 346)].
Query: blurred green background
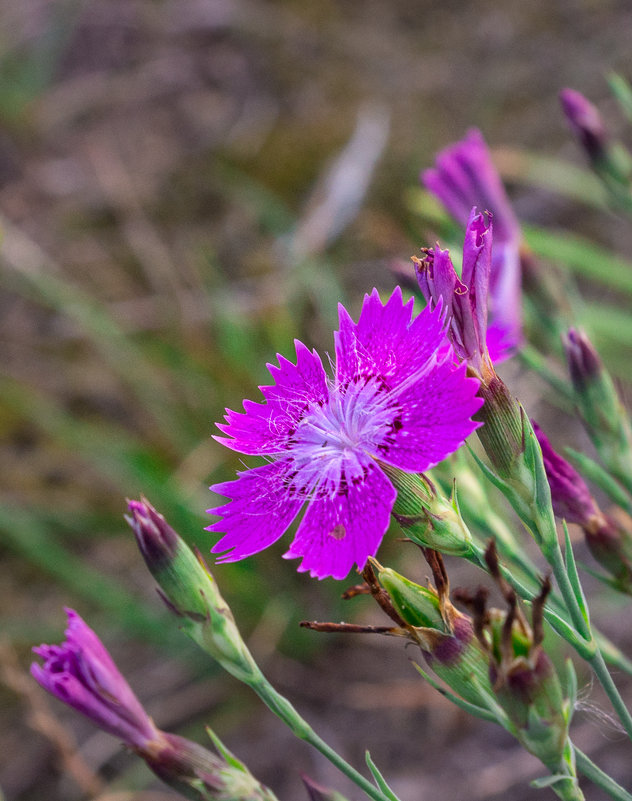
[(185, 187)]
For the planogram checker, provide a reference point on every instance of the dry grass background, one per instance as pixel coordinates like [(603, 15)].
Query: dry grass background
[(162, 174)]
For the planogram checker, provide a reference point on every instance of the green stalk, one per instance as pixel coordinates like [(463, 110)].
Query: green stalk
[(581, 623), (284, 710), (587, 767)]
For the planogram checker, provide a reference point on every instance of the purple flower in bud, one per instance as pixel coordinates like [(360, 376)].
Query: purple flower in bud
[(81, 673), (586, 123), (609, 541), (584, 363), (464, 300), (604, 416), (569, 493), (464, 176)]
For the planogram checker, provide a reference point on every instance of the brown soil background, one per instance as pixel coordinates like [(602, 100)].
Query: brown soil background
[(115, 156)]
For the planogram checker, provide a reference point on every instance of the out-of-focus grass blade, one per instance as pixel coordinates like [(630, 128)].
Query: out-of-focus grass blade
[(113, 452), (124, 357), (622, 91), (582, 257), (553, 174), (24, 533)]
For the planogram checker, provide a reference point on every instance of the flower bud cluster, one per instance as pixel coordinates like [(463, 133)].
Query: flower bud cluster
[(494, 660)]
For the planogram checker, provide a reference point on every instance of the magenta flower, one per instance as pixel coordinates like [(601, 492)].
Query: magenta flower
[(81, 673), (464, 176), (397, 397), (463, 299)]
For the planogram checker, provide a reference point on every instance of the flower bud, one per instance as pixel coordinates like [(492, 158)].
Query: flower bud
[(598, 403), (570, 495), (586, 124), (427, 518), (197, 773), (610, 160), (81, 673), (465, 176), (190, 591), (444, 635), (317, 792)]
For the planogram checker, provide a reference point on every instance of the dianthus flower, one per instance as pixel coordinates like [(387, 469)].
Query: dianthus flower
[(465, 176), (397, 397), (81, 673)]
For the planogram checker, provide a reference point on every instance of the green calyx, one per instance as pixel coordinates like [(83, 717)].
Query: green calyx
[(426, 517), (418, 606)]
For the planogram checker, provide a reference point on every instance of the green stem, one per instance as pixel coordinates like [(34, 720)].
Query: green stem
[(556, 561), (603, 674), (283, 709), (587, 767), (596, 660)]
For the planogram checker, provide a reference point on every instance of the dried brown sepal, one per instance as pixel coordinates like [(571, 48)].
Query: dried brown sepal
[(351, 628), (477, 605), (357, 589), (379, 593)]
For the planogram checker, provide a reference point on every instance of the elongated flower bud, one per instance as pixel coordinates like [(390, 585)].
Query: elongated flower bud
[(81, 673), (190, 591), (427, 517), (569, 492), (610, 160), (444, 635), (609, 541), (586, 123), (598, 403)]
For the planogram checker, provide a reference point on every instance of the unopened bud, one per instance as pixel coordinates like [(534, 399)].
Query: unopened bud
[(428, 518), (570, 495), (610, 160), (598, 403), (190, 591), (586, 124), (317, 792), (81, 673), (445, 635), (198, 774)]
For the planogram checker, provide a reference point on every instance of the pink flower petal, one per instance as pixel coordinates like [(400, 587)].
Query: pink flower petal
[(435, 419), (385, 342), (262, 506), (338, 532), (266, 427)]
